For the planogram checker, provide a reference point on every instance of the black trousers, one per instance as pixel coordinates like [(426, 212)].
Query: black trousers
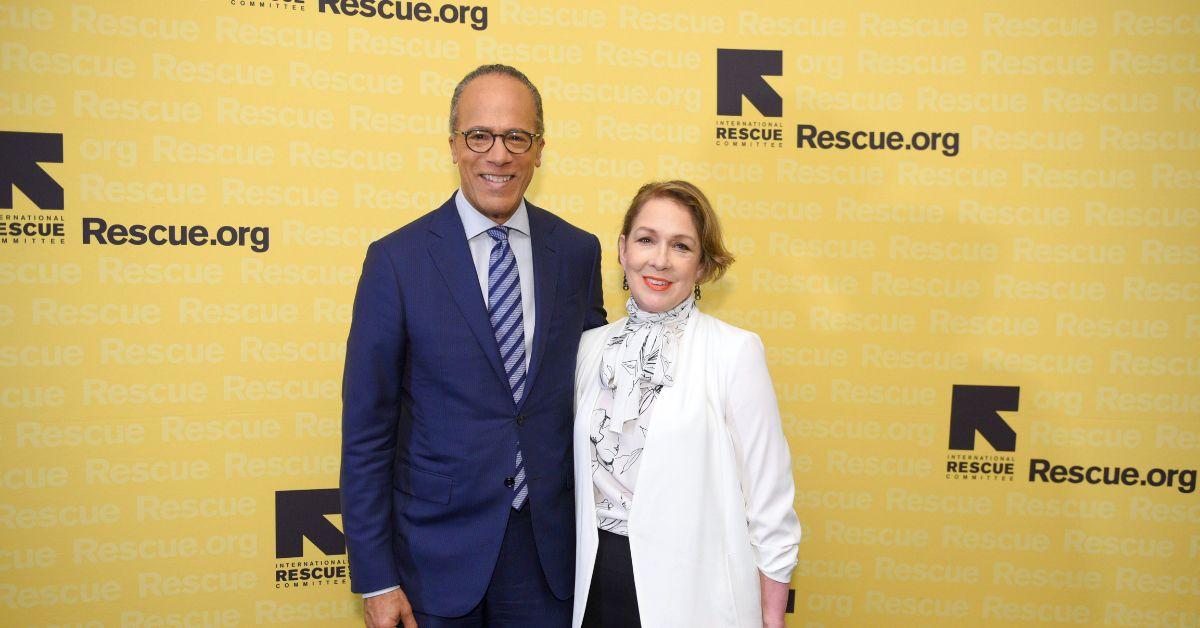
[(612, 598)]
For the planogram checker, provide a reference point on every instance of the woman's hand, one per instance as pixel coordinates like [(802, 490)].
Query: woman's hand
[(774, 601)]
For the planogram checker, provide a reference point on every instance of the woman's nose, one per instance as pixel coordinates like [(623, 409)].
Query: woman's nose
[(660, 259)]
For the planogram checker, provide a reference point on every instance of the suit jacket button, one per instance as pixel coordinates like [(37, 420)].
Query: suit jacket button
[(509, 482), (520, 419)]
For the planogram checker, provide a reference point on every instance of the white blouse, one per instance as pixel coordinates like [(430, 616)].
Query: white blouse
[(638, 362)]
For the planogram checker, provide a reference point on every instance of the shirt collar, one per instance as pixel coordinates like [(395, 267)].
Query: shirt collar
[(475, 223)]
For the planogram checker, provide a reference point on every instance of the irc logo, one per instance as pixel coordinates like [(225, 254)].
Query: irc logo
[(740, 74), (300, 515), (973, 409), (20, 154)]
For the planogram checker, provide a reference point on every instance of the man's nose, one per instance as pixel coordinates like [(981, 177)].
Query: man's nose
[(498, 154)]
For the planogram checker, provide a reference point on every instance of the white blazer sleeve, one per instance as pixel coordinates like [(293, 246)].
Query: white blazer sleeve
[(766, 464)]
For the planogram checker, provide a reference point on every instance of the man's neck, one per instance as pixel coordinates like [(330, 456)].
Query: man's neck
[(476, 221), (499, 219)]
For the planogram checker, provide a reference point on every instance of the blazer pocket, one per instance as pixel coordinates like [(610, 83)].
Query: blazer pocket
[(422, 484)]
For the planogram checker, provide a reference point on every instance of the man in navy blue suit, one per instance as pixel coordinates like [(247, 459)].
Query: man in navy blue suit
[(456, 482)]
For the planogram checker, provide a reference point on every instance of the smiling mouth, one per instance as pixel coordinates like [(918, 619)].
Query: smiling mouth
[(498, 178), (656, 284)]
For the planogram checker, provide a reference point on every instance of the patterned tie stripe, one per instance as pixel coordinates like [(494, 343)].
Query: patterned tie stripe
[(520, 487), (504, 309)]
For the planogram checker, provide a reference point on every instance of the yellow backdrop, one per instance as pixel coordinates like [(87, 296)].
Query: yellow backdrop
[(171, 411)]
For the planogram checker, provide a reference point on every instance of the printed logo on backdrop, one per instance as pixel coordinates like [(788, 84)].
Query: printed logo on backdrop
[(741, 80), (983, 445), (975, 417), (305, 515), (21, 156), (278, 5), (401, 11)]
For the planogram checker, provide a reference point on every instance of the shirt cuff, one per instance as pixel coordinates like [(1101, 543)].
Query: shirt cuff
[(380, 592)]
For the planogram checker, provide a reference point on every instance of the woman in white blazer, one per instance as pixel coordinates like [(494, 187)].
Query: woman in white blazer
[(684, 491)]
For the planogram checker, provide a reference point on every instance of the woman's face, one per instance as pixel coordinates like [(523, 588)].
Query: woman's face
[(661, 255)]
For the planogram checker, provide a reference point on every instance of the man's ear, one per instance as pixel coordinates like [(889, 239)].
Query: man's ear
[(453, 157)]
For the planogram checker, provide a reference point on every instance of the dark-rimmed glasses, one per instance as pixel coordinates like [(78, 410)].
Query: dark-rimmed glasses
[(481, 140)]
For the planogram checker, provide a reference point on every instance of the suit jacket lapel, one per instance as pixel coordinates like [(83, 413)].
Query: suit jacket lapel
[(545, 285), (452, 257)]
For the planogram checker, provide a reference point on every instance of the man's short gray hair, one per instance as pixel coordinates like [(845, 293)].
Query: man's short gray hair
[(495, 68)]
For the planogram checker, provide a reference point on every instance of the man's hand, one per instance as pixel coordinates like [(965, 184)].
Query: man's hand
[(389, 610)]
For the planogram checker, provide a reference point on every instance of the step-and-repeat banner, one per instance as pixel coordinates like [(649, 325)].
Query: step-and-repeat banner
[(968, 234)]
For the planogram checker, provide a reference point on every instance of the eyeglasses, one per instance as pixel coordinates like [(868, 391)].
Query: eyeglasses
[(481, 141)]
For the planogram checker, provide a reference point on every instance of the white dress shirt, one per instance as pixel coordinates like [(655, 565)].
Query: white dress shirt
[(520, 241)]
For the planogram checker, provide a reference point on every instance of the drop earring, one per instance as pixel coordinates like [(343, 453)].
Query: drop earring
[(624, 282), (697, 292)]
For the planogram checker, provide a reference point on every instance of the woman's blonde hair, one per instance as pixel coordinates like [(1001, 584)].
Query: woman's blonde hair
[(715, 258)]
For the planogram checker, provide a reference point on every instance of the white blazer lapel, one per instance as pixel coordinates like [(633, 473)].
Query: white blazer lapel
[(587, 386)]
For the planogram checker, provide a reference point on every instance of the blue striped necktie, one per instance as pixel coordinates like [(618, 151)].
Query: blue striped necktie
[(504, 308)]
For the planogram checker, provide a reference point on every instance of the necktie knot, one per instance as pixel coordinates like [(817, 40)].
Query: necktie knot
[(499, 234)]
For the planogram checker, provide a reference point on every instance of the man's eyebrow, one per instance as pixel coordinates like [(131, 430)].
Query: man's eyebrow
[(488, 128)]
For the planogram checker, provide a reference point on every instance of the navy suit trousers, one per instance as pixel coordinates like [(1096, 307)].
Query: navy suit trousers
[(517, 595)]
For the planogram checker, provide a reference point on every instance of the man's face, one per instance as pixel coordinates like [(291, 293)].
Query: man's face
[(495, 181)]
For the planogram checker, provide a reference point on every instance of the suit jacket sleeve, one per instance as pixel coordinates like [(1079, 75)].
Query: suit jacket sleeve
[(596, 316), (766, 464), (370, 408)]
